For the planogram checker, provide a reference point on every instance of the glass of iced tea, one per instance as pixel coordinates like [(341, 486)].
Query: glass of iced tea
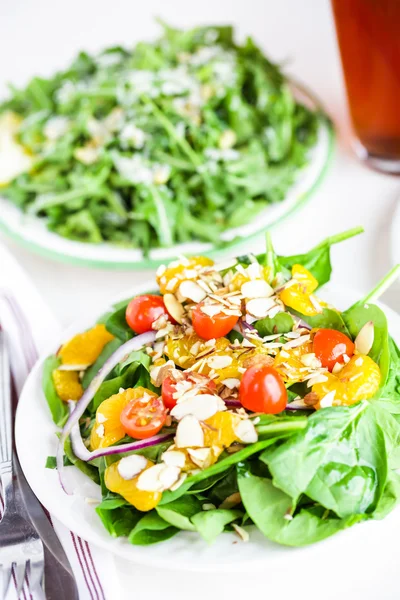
[(369, 39)]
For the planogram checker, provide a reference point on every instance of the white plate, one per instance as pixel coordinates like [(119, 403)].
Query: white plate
[(36, 439), (32, 232)]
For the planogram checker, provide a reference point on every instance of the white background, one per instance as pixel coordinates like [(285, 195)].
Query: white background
[(37, 36)]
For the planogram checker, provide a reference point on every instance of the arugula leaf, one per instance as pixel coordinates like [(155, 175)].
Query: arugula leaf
[(58, 408), (168, 180)]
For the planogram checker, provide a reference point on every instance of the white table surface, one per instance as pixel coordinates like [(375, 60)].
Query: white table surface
[(37, 36)]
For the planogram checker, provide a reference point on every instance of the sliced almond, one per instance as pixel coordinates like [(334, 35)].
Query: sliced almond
[(254, 270), (202, 407), (179, 482), (246, 432), (130, 466), (337, 367), (169, 476), (257, 288), (191, 290), (72, 367), (200, 456), (259, 307), (242, 533), (231, 501), (211, 309), (318, 378), (310, 360), (219, 362), (327, 400), (365, 338), (174, 307), (189, 433), (231, 383), (100, 418), (149, 481), (174, 458), (100, 431)]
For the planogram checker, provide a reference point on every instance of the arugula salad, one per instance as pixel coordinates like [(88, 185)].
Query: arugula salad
[(233, 396), (171, 141)]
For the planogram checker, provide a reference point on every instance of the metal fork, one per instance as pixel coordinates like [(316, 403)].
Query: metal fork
[(21, 549)]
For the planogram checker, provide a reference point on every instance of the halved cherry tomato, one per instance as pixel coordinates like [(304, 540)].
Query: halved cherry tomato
[(168, 390), (262, 390), (329, 346), (142, 311), (212, 327), (141, 419)]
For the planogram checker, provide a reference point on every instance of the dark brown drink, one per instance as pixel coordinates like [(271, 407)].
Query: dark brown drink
[(369, 39)]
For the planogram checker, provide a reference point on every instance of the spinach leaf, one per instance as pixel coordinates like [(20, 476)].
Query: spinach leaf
[(211, 523), (340, 460), (118, 521), (328, 319), (281, 323), (179, 512), (134, 374), (224, 488), (151, 529), (113, 503), (86, 468), (58, 408), (269, 506), (356, 317), (107, 351), (117, 325), (318, 260)]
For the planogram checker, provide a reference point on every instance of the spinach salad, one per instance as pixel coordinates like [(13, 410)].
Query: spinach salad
[(233, 397)]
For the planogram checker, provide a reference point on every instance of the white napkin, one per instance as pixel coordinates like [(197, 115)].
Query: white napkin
[(30, 327)]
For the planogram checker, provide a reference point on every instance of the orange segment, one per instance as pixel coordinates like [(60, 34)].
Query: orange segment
[(170, 279), (239, 279), (127, 488), (288, 362), (361, 377), (297, 296), (85, 348), (358, 380), (222, 430), (67, 384), (108, 429)]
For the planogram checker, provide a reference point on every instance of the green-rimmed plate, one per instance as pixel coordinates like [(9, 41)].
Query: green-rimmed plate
[(31, 231)]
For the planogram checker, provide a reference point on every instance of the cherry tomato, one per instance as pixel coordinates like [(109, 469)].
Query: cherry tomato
[(141, 419), (329, 346), (168, 390), (142, 311), (208, 327), (262, 390)]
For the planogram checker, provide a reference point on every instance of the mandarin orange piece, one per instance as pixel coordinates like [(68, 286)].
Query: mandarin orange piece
[(170, 279), (84, 348), (127, 488), (107, 429), (297, 296), (67, 385)]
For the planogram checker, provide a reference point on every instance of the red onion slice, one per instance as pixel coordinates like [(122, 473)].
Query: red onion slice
[(119, 355)]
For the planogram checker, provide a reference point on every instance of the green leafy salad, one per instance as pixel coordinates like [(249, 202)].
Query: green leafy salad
[(233, 397), (171, 141)]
